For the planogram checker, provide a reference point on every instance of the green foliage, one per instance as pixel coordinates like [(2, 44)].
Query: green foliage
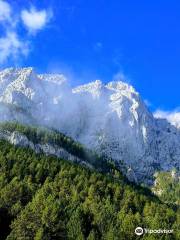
[(167, 187), (45, 197), (42, 135)]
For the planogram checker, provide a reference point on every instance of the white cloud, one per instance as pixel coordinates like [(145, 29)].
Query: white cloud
[(12, 47), (35, 20), (5, 11), (172, 116)]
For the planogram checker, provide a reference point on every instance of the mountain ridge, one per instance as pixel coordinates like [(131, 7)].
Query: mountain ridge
[(111, 118)]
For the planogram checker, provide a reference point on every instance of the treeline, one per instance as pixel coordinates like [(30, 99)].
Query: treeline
[(42, 135), (44, 197)]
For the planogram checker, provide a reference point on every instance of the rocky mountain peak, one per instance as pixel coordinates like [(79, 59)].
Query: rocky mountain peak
[(58, 79), (120, 86), (109, 118)]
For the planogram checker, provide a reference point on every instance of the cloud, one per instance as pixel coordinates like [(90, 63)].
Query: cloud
[(172, 116), (35, 20), (5, 11), (13, 42), (12, 47)]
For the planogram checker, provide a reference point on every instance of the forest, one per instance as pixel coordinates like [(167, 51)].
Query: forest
[(43, 197), (41, 135)]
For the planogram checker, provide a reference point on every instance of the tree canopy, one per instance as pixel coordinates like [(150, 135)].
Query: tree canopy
[(43, 197)]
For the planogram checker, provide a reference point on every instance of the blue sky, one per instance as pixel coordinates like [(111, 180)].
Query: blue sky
[(90, 40)]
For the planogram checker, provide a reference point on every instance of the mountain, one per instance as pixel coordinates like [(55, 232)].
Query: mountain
[(111, 119)]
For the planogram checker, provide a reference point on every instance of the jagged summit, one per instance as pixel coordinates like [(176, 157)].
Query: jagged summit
[(95, 88), (54, 78), (98, 85), (120, 86), (16, 69), (109, 118)]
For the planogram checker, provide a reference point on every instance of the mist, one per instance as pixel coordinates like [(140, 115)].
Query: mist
[(83, 113)]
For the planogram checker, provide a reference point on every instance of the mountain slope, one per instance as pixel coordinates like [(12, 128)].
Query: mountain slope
[(109, 118), (52, 142), (45, 197)]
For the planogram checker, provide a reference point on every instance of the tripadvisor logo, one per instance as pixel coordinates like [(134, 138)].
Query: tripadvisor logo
[(139, 231)]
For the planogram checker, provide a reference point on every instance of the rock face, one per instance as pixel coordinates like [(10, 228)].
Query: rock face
[(21, 140), (110, 118)]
